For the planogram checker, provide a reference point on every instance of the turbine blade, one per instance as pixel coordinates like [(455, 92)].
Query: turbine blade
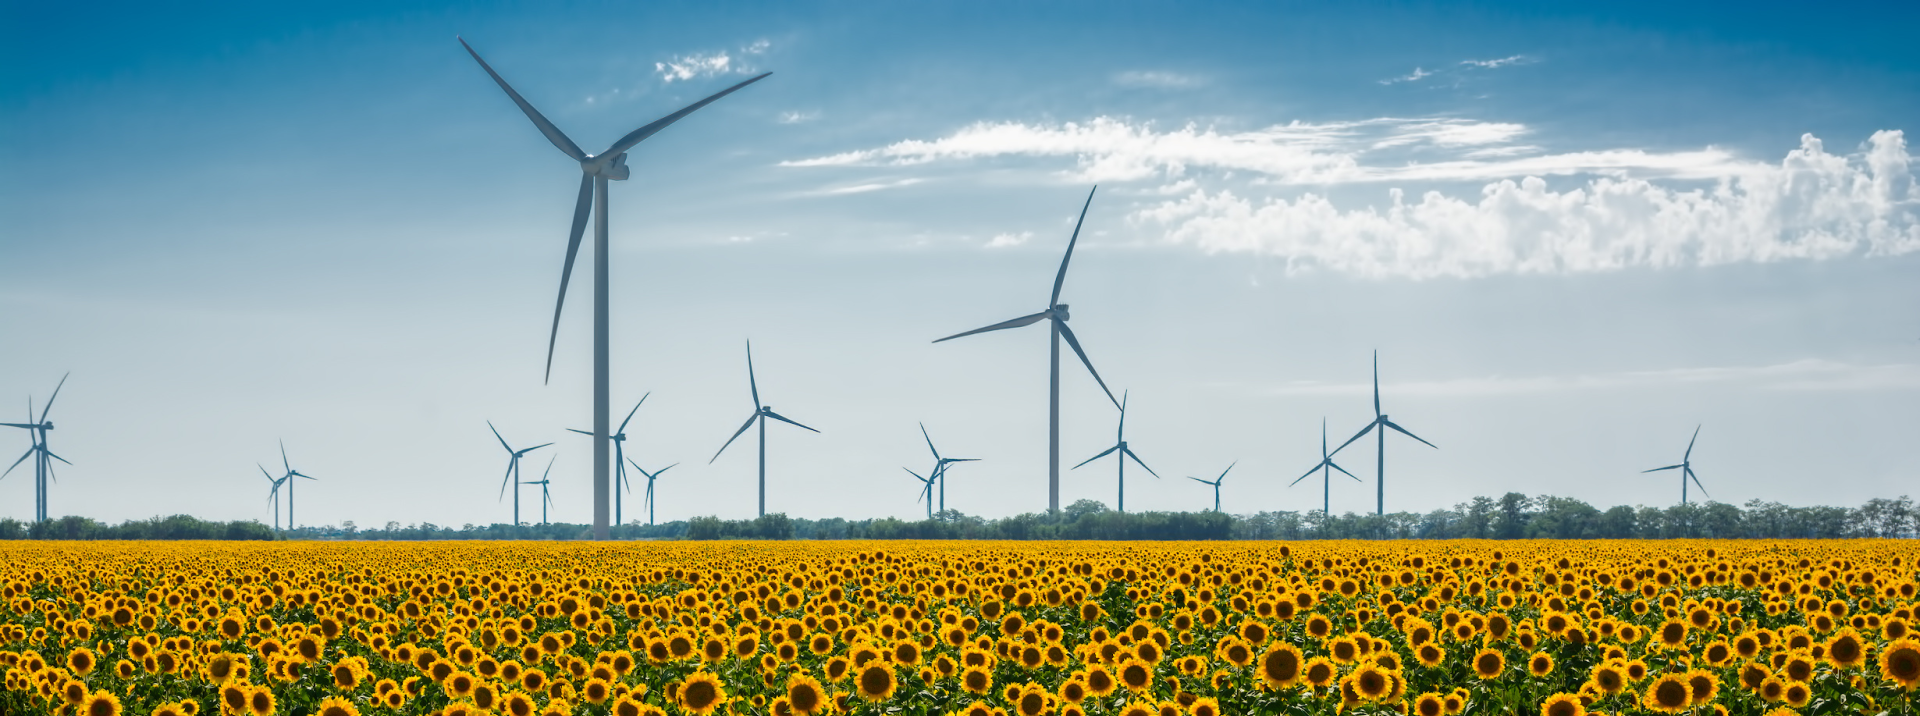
[(662, 471), (56, 457), (915, 475), (1343, 471), (636, 409), (1657, 469), (44, 409), (936, 451), (779, 417), (1067, 333), (16, 463), (1124, 395), (1060, 279), (577, 430), (1356, 436), (543, 476), (536, 447), (1136, 461), (1015, 323), (1103, 453), (28, 426), (1688, 456), (553, 133), (1696, 481), (638, 135), (736, 436), (283, 457), (496, 435), (1315, 469), (1195, 479), (581, 208), (1223, 473), (751, 383), (1403, 431), (1376, 383)]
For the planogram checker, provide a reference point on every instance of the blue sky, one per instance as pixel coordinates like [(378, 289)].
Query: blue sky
[(1573, 234)]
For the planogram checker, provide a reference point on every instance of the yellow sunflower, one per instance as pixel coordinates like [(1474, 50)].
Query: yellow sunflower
[(1562, 705), (1668, 694), (1900, 663), (700, 693), (1280, 666), (876, 682), (805, 695)]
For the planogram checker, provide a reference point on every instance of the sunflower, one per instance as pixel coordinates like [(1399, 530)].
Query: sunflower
[(1752, 674), (1139, 709), (1371, 683), (1319, 672), (1673, 634), (1073, 690), (699, 693), (99, 703), (1609, 678), (1703, 684), (260, 701), (1772, 688), (1032, 701), (1900, 663), (976, 679), (1429, 704), (81, 661), (875, 682), (1100, 681), (805, 695), (1668, 694), (1280, 665), (1488, 663), (518, 703), (1430, 654), (336, 706), (1797, 693), (1136, 675), (1562, 705), (1234, 651), (1845, 650), (1540, 664)]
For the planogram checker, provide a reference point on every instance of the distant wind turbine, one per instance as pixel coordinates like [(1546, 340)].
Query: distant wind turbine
[(1057, 314), (291, 473), (513, 469), (596, 171), (1216, 484), (274, 495), (42, 457), (1120, 446), (760, 415), (619, 439), (1326, 462), (1380, 421), (1686, 469), (545, 498), (940, 465), (651, 476), (926, 493)]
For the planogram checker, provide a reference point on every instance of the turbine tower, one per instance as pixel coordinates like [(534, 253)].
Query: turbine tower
[(1686, 469), (42, 457), (619, 439), (651, 476), (1326, 462), (926, 493), (273, 496), (1125, 452), (291, 473), (1215, 482), (760, 415), (596, 170), (1056, 313), (513, 469), (1380, 421), (940, 465)]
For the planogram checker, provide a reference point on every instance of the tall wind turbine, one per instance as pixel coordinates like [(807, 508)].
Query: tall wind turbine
[(619, 439), (760, 415), (1326, 462), (926, 493), (1215, 482), (274, 495), (513, 469), (940, 466), (1686, 469), (42, 457), (291, 473), (596, 171), (651, 476), (545, 498), (1056, 313), (1380, 421), (1125, 452)]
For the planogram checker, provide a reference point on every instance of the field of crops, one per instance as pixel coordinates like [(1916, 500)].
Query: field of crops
[(975, 629)]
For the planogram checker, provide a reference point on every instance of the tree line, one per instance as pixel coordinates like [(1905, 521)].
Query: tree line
[(175, 527)]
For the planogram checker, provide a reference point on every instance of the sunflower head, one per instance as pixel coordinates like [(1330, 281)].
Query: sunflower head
[(875, 681), (1668, 694), (1562, 705), (1900, 663), (700, 693), (1281, 665)]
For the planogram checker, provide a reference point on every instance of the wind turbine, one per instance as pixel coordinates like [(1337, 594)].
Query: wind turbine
[(1686, 469), (42, 457), (651, 476), (1125, 452), (291, 473), (1057, 314), (1380, 421), (1216, 484), (925, 493), (1326, 461), (513, 468), (619, 439), (940, 466), (760, 415), (545, 498), (273, 496), (596, 170)]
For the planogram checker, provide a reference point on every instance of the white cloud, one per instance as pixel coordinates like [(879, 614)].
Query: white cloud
[(1415, 76), (1812, 205), (865, 188), (797, 117), (1495, 64), (686, 67), (1157, 79), (1005, 240), (1801, 375), (1456, 72)]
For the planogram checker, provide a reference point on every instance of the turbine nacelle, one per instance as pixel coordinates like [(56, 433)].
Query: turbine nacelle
[(614, 169), (1060, 312)]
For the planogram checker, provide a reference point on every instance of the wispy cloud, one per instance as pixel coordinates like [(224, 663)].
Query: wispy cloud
[(1801, 375), (798, 117), (1455, 72), (1005, 240), (1157, 79), (1415, 76), (865, 188), (1495, 64), (710, 64)]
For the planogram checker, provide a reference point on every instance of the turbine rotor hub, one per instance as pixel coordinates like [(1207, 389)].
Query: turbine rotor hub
[(1060, 312), (614, 169)]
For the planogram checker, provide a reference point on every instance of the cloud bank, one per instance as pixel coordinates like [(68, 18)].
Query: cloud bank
[(1267, 191)]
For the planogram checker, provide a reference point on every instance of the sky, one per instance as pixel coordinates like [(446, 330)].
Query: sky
[(1573, 233)]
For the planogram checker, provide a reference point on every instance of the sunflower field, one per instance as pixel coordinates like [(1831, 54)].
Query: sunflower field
[(959, 628)]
